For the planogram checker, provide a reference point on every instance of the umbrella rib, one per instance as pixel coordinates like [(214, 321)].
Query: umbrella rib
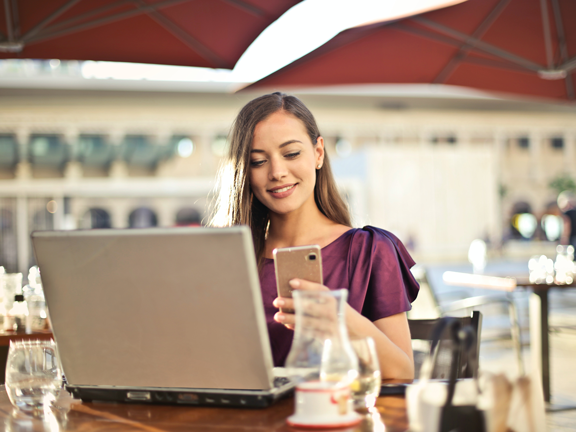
[(189, 40), (477, 34), (563, 47), (494, 63), (8, 13), (547, 35), (446, 40), (479, 45), (569, 65), (49, 19), (560, 30), (101, 21), (87, 15), (15, 19), (247, 7)]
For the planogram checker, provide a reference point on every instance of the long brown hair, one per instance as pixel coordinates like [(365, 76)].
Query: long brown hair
[(235, 203)]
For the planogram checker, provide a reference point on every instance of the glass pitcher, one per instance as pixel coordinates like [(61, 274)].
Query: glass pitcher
[(321, 348)]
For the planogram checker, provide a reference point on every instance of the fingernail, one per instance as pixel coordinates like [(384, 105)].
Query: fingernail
[(294, 283), (280, 302), (280, 317)]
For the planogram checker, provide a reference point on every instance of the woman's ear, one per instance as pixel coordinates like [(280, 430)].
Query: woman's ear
[(319, 150)]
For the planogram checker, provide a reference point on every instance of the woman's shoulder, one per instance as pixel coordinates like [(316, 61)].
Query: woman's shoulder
[(373, 234), (371, 240)]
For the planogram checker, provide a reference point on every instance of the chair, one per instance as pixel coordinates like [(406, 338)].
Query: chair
[(421, 329), (470, 303)]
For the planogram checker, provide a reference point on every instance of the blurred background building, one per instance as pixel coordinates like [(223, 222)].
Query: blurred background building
[(439, 170)]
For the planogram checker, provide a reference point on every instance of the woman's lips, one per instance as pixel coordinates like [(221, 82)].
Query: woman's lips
[(283, 191)]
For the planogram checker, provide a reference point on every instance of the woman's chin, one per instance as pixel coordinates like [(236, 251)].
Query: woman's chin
[(281, 211)]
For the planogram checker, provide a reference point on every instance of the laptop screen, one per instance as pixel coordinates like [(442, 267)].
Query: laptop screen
[(169, 308)]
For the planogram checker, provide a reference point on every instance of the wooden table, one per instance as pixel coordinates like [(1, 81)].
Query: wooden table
[(7, 335), (539, 311), (73, 415), (540, 328)]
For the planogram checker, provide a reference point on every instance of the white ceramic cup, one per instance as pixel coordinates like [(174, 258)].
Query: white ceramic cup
[(321, 403)]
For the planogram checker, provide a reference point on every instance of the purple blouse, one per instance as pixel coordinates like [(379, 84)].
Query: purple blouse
[(370, 262)]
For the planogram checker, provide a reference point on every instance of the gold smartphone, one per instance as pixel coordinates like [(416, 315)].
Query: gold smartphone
[(302, 262)]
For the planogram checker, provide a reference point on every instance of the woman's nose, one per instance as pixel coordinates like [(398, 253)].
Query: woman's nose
[(277, 170)]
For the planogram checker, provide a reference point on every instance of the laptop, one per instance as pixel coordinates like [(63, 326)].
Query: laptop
[(159, 315)]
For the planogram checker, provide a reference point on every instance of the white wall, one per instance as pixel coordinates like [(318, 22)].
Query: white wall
[(441, 197)]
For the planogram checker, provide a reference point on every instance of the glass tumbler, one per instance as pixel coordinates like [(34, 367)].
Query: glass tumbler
[(366, 387), (33, 376)]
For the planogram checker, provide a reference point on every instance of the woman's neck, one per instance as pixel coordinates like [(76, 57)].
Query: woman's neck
[(301, 227)]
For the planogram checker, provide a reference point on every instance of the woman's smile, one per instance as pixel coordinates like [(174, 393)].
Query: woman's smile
[(283, 191)]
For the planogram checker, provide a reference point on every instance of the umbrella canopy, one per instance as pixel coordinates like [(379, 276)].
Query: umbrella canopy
[(525, 47), (207, 33)]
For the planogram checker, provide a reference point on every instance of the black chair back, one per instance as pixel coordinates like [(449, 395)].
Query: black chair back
[(467, 367)]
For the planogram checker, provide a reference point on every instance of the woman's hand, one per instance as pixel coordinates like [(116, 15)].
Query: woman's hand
[(289, 319), (391, 334)]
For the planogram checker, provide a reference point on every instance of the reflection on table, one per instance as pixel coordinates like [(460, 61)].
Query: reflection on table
[(72, 415)]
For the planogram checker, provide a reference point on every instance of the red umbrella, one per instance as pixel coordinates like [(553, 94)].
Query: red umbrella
[(208, 33), (525, 47)]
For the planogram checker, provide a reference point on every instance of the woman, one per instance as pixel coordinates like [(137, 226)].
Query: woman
[(278, 181)]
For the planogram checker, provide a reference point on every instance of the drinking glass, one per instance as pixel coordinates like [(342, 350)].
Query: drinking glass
[(33, 375), (366, 387)]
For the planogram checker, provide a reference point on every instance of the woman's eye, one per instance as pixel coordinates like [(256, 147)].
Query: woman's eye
[(256, 163), (292, 155)]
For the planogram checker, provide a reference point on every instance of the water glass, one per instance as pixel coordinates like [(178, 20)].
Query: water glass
[(33, 376), (366, 388)]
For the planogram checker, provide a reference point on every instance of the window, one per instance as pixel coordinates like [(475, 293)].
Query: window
[(8, 243), (188, 216), (139, 151), (8, 151), (96, 218), (180, 145), (552, 226), (47, 150), (523, 223), (444, 139), (142, 217), (343, 147), (95, 151), (557, 143), (220, 146), (523, 142)]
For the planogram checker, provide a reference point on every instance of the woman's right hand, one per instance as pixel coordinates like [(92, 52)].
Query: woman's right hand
[(319, 316)]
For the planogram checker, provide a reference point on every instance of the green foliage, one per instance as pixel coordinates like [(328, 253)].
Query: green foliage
[(563, 183)]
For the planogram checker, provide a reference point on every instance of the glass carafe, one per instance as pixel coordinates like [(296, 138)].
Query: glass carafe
[(321, 348)]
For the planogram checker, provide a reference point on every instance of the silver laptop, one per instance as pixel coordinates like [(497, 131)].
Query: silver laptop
[(161, 315)]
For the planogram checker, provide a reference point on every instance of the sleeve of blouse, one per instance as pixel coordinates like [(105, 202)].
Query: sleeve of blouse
[(382, 282)]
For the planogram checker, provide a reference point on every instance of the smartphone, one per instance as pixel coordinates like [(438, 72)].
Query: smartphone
[(302, 262)]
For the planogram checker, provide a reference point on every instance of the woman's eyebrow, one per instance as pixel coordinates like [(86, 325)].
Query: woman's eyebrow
[(289, 142), (284, 144)]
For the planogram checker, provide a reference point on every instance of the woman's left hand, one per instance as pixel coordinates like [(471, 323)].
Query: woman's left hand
[(289, 319)]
